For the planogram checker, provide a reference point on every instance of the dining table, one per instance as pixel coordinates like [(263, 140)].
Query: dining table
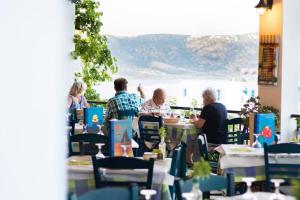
[(258, 196), (81, 176), (246, 161)]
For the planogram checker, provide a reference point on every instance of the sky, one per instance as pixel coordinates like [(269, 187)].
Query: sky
[(188, 17)]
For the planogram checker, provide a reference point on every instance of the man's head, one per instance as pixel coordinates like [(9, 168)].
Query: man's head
[(209, 96), (120, 84), (159, 96)]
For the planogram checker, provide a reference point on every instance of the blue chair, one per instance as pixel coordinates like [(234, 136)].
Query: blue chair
[(237, 133), (117, 163), (112, 193), (126, 114), (203, 150), (213, 182), (175, 166), (148, 128), (86, 143), (285, 171), (182, 168)]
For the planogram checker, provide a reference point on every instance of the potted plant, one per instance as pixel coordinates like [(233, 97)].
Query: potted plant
[(253, 105), (201, 170)]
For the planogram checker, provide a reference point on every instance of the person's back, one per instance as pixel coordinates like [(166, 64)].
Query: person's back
[(215, 115), (122, 101)]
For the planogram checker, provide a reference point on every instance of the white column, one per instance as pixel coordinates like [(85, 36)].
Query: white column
[(35, 41), (284, 20), (290, 66)]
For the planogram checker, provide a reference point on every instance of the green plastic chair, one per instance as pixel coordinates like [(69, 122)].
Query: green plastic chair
[(213, 182), (112, 193), (286, 171)]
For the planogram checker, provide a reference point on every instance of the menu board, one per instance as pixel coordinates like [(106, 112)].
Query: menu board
[(268, 60)]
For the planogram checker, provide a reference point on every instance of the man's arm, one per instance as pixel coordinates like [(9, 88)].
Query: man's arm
[(199, 123)]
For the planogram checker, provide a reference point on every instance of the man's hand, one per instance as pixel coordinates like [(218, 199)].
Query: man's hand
[(141, 91)]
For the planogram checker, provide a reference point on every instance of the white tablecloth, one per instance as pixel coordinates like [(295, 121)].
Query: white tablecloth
[(258, 195), (233, 155)]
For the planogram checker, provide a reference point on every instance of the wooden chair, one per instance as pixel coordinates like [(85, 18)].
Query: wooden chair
[(87, 143), (237, 133), (213, 182), (203, 150), (286, 171), (117, 163), (149, 132), (175, 166), (112, 193)]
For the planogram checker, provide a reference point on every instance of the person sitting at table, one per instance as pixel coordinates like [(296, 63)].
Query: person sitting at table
[(123, 100), (76, 99), (212, 120), (156, 105)]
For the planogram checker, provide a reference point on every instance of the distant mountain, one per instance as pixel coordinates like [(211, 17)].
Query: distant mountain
[(172, 56)]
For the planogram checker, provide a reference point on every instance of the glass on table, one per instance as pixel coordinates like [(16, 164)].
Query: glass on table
[(100, 154), (277, 195), (248, 195), (256, 144), (148, 193), (124, 146)]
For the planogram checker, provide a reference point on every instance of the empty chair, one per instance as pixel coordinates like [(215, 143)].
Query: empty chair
[(213, 182), (86, 143), (175, 165), (117, 163), (112, 193), (288, 169), (149, 136), (237, 133)]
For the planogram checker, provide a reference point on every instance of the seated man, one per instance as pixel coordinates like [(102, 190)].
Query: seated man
[(123, 101), (156, 105), (212, 120)]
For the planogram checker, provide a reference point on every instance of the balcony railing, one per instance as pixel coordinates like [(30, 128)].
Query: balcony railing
[(103, 103)]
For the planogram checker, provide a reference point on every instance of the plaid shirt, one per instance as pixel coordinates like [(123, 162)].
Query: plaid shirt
[(122, 101)]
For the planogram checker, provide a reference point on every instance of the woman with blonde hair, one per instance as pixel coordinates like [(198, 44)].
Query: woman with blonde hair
[(76, 99)]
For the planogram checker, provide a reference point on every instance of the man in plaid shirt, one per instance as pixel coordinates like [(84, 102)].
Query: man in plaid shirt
[(123, 101)]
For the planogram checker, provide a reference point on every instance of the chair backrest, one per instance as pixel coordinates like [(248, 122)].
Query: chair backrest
[(203, 149), (72, 119), (112, 193), (236, 131), (117, 163), (86, 143), (281, 169), (126, 114), (148, 128), (175, 165), (182, 168), (213, 182)]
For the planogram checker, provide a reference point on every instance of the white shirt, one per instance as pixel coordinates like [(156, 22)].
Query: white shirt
[(150, 107)]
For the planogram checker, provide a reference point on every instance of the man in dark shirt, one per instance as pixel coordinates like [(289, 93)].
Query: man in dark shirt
[(212, 120)]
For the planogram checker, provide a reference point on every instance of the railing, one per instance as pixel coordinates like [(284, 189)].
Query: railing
[(172, 107), (297, 118)]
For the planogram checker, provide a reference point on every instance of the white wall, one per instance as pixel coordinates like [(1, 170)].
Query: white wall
[(35, 41), (290, 66), (284, 20)]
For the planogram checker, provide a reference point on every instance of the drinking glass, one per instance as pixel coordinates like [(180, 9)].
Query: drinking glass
[(277, 195), (124, 150), (148, 193), (189, 196), (248, 195), (100, 154), (256, 144)]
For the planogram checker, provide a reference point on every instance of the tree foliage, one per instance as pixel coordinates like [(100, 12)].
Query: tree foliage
[(91, 47)]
